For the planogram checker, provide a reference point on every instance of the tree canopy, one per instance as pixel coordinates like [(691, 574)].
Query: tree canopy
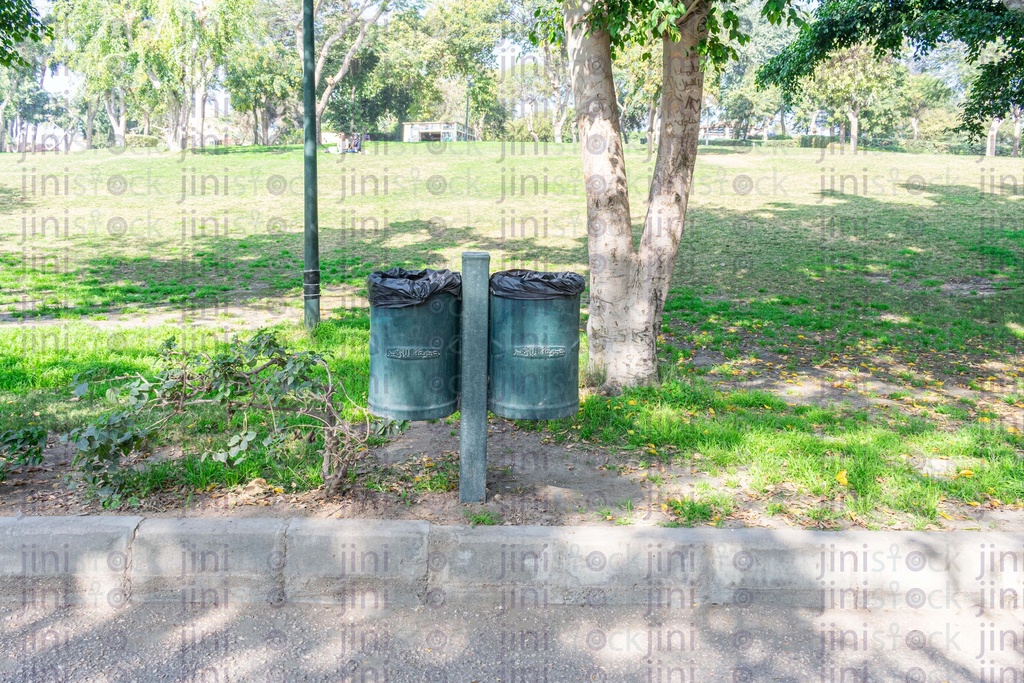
[(979, 25), (19, 22)]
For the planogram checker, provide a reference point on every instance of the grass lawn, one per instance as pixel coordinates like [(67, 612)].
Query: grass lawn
[(843, 343)]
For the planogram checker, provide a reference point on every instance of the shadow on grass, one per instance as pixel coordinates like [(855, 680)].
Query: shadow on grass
[(214, 272), (861, 270), (808, 446)]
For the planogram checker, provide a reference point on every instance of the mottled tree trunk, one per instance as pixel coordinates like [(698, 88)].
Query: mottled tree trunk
[(117, 112), (629, 283), (529, 128), (650, 126), (1017, 121), (3, 121), (993, 138), (202, 120), (854, 116), (557, 121)]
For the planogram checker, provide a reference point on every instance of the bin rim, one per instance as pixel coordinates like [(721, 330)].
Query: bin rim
[(398, 287), (534, 285)]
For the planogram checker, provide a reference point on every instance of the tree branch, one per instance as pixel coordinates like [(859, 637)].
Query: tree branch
[(346, 63)]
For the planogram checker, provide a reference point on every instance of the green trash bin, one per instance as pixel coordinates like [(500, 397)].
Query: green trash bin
[(414, 343), (534, 344)]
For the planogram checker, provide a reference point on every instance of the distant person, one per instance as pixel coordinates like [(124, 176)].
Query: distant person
[(357, 143)]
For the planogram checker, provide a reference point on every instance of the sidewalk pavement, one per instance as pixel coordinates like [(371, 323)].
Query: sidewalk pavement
[(133, 599)]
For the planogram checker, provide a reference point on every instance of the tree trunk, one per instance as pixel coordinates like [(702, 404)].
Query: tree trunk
[(657, 122), (554, 69), (325, 49), (266, 122), (854, 116), (352, 111), (255, 125), (628, 286), (1017, 121), (915, 123), (529, 128), (3, 121), (557, 121), (91, 109), (69, 135), (187, 131), (176, 135), (782, 121), (116, 112), (650, 127), (993, 138), (202, 120)]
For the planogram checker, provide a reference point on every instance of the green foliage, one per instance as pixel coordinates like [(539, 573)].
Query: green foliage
[(101, 445), (927, 24), (237, 448), (260, 70), (641, 21), (748, 105), (706, 506), (19, 21), (856, 84), (387, 428), (482, 518), (21, 447), (139, 140), (518, 130), (255, 374)]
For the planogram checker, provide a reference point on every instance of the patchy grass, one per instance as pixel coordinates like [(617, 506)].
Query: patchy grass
[(704, 507), (688, 420), (898, 300), (482, 518)]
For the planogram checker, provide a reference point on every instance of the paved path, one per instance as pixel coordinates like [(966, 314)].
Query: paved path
[(126, 599)]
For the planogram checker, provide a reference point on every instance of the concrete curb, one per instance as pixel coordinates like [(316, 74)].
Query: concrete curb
[(372, 566), (48, 562)]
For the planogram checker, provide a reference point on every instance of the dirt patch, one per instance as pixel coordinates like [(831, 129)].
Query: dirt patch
[(531, 480), (969, 286)]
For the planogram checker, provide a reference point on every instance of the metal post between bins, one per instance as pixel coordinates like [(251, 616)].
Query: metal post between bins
[(473, 410), (311, 243)]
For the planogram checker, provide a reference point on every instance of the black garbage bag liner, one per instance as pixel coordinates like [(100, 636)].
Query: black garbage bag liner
[(398, 287), (536, 286)]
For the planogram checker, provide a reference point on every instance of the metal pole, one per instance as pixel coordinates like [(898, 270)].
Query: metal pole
[(311, 252), (473, 410)]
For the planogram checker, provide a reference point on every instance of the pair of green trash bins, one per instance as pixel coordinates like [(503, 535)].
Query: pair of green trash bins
[(533, 359)]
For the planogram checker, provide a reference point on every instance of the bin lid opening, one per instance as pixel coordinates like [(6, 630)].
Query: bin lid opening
[(535, 285), (398, 287)]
